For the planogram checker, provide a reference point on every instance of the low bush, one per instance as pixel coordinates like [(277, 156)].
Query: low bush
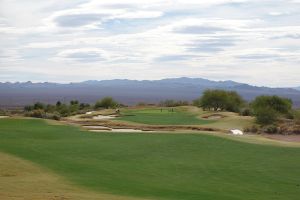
[(173, 103), (246, 112), (265, 116), (271, 129), (36, 113), (252, 129), (106, 102)]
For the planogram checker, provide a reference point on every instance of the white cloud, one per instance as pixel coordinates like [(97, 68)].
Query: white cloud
[(218, 39)]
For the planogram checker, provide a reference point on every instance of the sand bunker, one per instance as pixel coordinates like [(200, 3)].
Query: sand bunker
[(214, 116), (97, 127), (104, 117), (118, 130), (1, 117), (128, 130)]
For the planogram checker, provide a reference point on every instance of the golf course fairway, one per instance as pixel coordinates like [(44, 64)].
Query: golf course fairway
[(156, 166)]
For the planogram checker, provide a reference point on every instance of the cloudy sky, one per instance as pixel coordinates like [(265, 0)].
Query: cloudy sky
[(251, 41)]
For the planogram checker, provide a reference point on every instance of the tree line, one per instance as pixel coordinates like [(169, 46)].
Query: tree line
[(58, 110)]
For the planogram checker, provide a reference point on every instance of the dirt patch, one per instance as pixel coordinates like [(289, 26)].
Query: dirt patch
[(287, 138)]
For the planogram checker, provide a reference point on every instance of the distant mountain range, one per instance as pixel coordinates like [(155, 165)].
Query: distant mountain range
[(129, 91)]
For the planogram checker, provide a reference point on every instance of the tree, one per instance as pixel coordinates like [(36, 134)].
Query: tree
[(58, 104), (106, 102), (74, 102), (28, 108), (220, 100), (234, 102), (266, 109), (83, 106), (39, 105)]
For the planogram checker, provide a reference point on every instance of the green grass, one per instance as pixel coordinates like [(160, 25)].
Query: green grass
[(156, 116), (161, 166)]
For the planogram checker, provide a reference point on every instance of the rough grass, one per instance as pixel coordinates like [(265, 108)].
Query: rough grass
[(160, 166), (164, 116)]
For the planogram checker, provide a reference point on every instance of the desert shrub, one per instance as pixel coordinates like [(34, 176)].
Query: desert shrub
[(54, 116), (267, 109), (39, 106), (106, 102), (279, 104), (173, 103), (28, 108), (271, 129), (290, 115), (55, 111), (251, 129), (3, 112), (50, 108), (36, 113), (83, 106), (265, 116), (246, 112), (141, 104), (58, 104), (74, 102), (296, 116), (63, 110)]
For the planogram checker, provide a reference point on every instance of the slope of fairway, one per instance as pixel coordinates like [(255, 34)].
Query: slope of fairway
[(165, 116), (158, 166), (21, 179)]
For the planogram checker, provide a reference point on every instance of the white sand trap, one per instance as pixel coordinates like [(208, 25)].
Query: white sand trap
[(236, 132), (88, 113), (127, 130), (120, 130), (104, 117), (214, 116), (97, 127), (1, 117)]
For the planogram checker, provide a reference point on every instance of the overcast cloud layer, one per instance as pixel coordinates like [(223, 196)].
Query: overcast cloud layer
[(251, 41)]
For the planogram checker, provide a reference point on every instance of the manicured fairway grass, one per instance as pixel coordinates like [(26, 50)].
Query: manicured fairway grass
[(165, 116), (161, 166)]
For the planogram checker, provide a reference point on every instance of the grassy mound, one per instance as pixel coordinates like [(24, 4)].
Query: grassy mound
[(160, 166)]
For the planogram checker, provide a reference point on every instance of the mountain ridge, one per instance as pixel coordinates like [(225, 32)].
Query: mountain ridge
[(129, 91)]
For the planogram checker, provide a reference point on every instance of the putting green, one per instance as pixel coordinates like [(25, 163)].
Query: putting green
[(164, 116), (158, 166)]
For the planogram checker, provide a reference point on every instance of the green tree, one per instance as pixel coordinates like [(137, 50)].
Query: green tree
[(220, 100), (234, 102)]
